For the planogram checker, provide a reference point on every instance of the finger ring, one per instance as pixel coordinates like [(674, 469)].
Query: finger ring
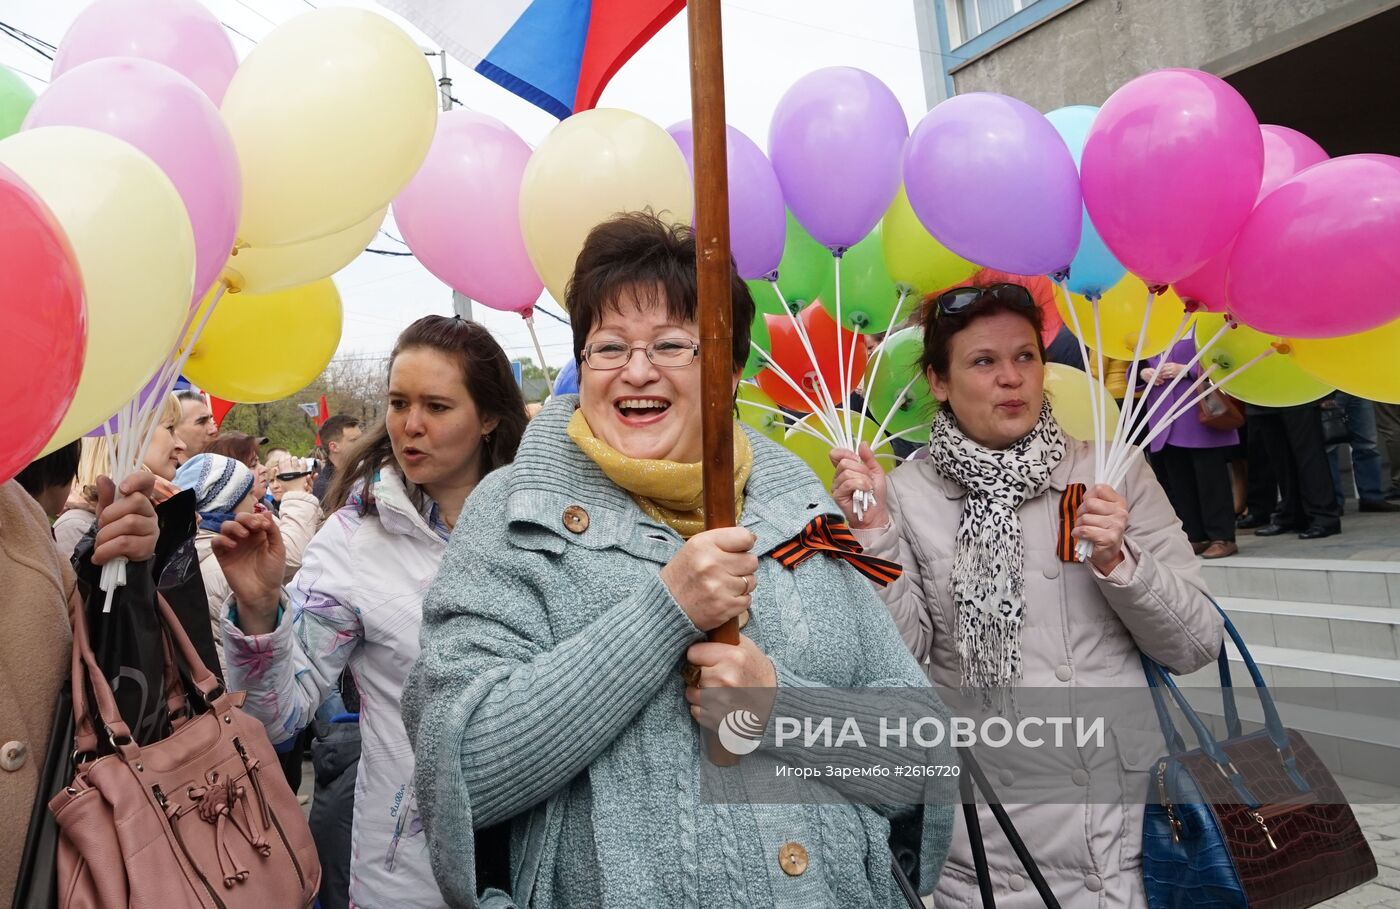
[(750, 582)]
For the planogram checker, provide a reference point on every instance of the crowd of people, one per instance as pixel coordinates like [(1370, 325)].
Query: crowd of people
[(491, 627)]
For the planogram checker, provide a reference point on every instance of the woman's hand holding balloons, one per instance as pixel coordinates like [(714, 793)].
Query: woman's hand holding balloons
[(252, 557), (860, 473), (127, 527), (1102, 520)]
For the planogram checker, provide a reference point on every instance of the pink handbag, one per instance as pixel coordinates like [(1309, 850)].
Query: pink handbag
[(203, 818)]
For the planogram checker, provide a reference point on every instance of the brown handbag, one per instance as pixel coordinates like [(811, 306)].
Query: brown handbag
[(1218, 410), (202, 818)]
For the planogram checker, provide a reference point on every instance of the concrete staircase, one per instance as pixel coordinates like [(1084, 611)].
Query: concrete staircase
[(1326, 637)]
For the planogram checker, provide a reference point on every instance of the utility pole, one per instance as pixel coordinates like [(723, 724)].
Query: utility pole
[(461, 303)]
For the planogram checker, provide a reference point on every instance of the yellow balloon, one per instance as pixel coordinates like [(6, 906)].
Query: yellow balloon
[(1362, 364), (1121, 311), (914, 258), (1068, 390), (263, 269), (1275, 381), (332, 114), (765, 421), (134, 246), (592, 166), (237, 358), (815, 452)]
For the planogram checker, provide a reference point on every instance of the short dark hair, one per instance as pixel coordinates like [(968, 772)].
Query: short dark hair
[(939, 328), (335, 426), (641, 253), (487, 376), (240, 446), (57, 468)]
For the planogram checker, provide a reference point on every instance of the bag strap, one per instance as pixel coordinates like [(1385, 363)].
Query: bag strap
[(87, 674), (984, 881), (1159, 677)]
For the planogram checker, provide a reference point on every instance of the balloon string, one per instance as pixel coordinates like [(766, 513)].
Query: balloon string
[(840, 353), (829, 423), (539, 352), (1129, 398), (898, 402), (1130, 417), (875, 368), (903, 434), (1083, 355), (799, 426), (1183, 407), (1101, 416), (822, 390), (1142, 426)]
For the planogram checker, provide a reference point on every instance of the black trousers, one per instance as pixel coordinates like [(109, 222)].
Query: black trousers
[(1198, 485), (1293, 438), (1261, 486)]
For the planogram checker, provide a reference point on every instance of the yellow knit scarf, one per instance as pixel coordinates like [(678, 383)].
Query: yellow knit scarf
[(666, 491)]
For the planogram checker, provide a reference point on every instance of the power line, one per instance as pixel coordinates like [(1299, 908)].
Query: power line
[(237, 32), (26, 41), (34, 38), (25, 72), (386, 252), (256, 12)]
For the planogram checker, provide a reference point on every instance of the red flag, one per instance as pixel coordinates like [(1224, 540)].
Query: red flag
[(323, 414), (219, 408)]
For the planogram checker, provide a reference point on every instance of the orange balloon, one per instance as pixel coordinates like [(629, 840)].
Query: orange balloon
[(791, 356)]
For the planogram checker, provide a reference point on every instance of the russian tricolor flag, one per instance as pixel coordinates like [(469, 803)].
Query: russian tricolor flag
[(556, 54)]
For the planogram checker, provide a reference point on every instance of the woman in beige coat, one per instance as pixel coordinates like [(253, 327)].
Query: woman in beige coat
[(986, 601)]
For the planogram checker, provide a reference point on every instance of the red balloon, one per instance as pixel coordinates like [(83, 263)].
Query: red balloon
[(791, 356), (45, 319)]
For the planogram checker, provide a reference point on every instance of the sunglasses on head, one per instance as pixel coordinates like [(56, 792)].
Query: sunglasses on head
[(961, 299)]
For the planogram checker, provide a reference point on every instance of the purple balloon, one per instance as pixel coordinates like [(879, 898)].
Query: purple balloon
[(835, 140), (757, 220), (167, 117), (992, 180)]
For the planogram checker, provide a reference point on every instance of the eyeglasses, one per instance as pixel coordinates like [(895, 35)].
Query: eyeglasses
[(670, 353), (961, 299)]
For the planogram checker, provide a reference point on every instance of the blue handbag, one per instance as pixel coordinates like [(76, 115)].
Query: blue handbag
[(1254, 820)]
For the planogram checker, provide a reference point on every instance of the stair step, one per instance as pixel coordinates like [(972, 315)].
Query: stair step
[(1306, 678), (1366, 631), (1359, 745), (1344, 581)]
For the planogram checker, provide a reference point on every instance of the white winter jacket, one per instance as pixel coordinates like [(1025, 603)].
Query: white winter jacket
[(297, 521), (357, 602)]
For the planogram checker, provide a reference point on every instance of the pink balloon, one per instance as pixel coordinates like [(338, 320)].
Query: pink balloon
[(1320, 256), (460, 214), (1170, 171), (1286, 152), (180, 34), (166, 116)]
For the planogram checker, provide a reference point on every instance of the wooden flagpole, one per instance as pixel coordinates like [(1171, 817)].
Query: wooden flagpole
[(712, 277)]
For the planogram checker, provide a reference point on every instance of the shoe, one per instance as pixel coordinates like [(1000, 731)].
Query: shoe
[(1273, 530), (1220, 549), (1380, 505), (1199, 548), (1250, 522), (1317, 533)]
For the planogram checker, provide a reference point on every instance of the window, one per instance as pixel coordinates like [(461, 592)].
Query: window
[(973, 17)]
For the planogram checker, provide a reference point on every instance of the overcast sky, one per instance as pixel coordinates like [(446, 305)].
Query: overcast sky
[(768, 45)]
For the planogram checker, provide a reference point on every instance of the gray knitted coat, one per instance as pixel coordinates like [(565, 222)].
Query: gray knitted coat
[(548, 692)]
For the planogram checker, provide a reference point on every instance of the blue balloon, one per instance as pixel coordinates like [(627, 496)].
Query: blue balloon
[(1094, 269), (566, 383)]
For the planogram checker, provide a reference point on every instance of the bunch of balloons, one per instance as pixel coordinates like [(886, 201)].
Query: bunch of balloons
[(156, 173)]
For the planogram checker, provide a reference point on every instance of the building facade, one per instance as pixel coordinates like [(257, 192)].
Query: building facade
[(1330, 68)]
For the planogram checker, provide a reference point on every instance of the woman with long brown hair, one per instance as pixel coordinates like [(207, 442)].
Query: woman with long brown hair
[(454, 414)]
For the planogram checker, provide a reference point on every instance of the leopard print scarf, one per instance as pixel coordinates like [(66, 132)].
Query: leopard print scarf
[(988, 580)]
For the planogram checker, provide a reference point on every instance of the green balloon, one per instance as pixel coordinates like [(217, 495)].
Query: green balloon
[(805, 267), (765, 297), (758, 334), (868, 293), (899, 364), (15, 100)]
